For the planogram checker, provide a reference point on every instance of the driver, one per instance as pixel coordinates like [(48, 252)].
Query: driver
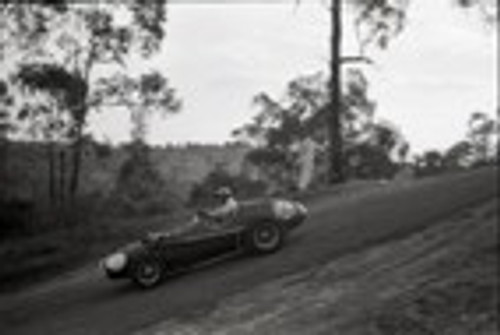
[(227, 207)]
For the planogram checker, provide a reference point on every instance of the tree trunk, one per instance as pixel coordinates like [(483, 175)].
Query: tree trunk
[(76, 160), (80, 114), (52, 176), (61, 196), (72, 215), (4, 153), (336, 174)]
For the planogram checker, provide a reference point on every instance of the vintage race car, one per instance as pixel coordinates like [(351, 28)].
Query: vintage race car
[(258, 227)]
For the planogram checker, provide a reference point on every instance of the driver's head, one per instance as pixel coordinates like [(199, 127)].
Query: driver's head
[(223, 193)]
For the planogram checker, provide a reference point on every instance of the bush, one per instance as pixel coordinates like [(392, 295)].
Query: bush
[(369, 162), (140, 189)]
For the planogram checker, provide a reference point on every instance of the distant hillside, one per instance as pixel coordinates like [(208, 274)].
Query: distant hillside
[(180, 166)]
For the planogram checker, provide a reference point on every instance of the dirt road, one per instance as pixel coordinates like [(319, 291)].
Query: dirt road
[(88, 304)]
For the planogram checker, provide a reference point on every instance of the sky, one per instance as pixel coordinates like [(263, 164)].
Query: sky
[(218, 56)]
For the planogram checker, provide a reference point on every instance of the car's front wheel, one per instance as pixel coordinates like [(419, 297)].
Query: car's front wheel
[(264, 238), (148, 273)]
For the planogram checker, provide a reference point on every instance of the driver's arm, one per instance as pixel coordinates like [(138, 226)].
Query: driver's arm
[(226, 209)]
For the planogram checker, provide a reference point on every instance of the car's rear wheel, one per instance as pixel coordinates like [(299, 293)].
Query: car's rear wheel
[(148, 273), (264, 238)]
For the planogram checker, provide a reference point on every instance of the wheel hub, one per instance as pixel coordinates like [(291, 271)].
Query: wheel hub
[(266, 238), (148, 271)]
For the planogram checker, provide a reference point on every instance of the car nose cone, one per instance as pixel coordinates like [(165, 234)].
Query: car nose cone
[(115, 262)]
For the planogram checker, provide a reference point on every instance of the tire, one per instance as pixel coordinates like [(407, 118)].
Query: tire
[(264, 238), (148, 273)]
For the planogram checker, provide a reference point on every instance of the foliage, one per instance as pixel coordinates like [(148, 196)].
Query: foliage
[(66, 87), (478, 148), (369, 162), (481, 133), (487, 9), (280, 123), (29, 24), (302, 113), (429, 163), (61, 45), (377, 21), (139, 188), (458, 156), (142, 95), (6, 103), (371, 157), (6, 127), (44, 116)]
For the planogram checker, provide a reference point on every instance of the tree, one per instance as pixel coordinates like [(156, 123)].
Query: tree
[(479, 147), (482, 130), (6, 102), (77, 39), (336, 173), (375, 154), (376, 22), (47, 119), (282, 124), (143, 96), (139, 188), (458, 156), (367, 161), (429, 163), (302, 113)]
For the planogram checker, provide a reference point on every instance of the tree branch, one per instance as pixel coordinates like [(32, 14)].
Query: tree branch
[(356, 59)]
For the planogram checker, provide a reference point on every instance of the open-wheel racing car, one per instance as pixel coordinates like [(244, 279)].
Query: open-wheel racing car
[(258, 227)]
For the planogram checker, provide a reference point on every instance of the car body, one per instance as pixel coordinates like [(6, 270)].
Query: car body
[(258, 227)]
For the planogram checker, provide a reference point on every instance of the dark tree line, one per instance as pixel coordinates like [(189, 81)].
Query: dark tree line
[(479, 147)]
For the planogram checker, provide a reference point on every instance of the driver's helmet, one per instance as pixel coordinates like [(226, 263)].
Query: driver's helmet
[(223, 193)]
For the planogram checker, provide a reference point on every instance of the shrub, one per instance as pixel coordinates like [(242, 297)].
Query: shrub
[(140, 189), (369, 162)]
